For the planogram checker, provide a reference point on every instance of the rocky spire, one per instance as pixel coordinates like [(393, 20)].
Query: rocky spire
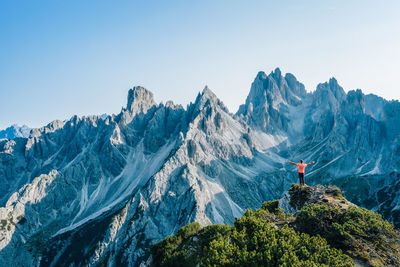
[(139, 100), (207, 98), (333, 87), (268, 95)]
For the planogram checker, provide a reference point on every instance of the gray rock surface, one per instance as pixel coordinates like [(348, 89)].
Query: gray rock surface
[(15, 131), (102, 189)]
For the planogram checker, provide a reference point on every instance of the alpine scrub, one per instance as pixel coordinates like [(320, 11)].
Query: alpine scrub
[(326, 230), (357, 231), (253, 240)]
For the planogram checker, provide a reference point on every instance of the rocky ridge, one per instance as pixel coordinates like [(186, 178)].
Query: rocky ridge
[(101, 190), (15, 131)]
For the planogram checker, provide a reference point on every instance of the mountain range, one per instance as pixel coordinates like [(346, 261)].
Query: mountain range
[(15, 131), (101, 190)]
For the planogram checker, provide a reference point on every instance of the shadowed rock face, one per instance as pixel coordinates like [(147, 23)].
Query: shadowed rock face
[(142, 174)]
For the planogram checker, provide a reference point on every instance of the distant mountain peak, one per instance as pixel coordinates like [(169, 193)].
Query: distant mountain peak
[(268, 94), (333, 86), (140, 100), (333, 81), (15, 131), (261, 75), (276, 74), (208, 93), (208, 98)]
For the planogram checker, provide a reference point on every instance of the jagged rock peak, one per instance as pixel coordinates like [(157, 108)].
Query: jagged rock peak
[(276, 74), (140, 100), (272, 90), (333, 81), (284, 83), (49, 128), (355, 98), (170, 104), (208, 93), (208, 98), (15, 131), (261, 75), (334, 87)]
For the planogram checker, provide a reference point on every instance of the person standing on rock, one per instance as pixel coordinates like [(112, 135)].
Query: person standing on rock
[(302, 167)]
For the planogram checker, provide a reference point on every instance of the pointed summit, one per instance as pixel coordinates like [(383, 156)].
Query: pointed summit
[(274, 89), (139, 100), (277, 74), (333, 81), (206, 96), (206, 99), (261, 75), (207, 92), (269, 98), (334, 87)]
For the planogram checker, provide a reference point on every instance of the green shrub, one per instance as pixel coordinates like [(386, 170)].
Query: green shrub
[(271, 206), (211, 232), (251, 241), (269, 237), (189, 230), (355, 230), (164, 251)]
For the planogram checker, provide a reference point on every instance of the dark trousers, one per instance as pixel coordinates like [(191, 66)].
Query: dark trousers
[(301, 178)]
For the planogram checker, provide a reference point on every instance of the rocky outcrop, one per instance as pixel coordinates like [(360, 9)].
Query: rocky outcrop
[(299, 196)]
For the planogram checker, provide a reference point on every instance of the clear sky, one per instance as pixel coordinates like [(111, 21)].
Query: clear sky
[(59, 58)]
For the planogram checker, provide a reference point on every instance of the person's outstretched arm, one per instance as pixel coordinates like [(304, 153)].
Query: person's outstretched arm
[(291, 162), (312, 162)]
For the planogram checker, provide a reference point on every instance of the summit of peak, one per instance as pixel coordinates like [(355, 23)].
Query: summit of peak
[(333, 86), (277, 72), (140, 99), (333, 81), (208, 98), (261, 75), (208, 93), (138, 92)]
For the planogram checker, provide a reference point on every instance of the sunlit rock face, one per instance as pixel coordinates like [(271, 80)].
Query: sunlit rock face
[(102, 189)]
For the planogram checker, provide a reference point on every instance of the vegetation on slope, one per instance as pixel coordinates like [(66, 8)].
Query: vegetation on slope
[(327, 231), (358, 232), (253, 240)]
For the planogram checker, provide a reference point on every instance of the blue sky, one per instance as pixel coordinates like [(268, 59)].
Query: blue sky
[(59, 58)]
